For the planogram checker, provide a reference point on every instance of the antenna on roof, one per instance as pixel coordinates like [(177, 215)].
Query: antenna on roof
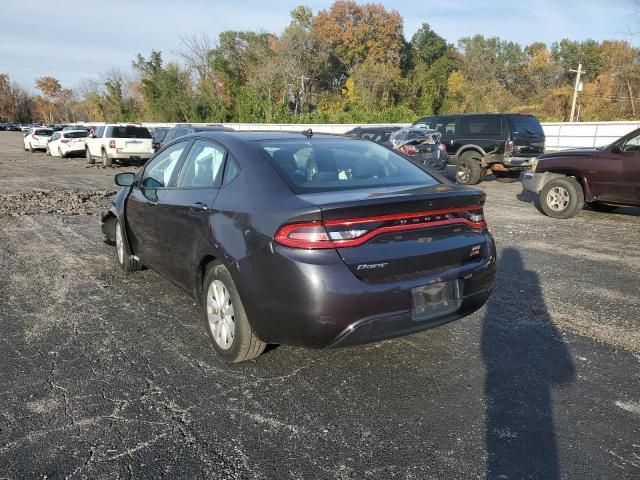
[(308, 133)]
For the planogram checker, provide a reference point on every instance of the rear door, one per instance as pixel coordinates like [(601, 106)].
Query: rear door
[(142, 204), (94, 144), (183, 211)]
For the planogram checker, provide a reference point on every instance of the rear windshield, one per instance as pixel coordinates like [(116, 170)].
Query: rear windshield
[(129, 132), (75, 134), (526, 125), (44, 132), (319, 165)]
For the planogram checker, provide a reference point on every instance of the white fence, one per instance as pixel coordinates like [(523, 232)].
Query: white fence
[(560, 135)]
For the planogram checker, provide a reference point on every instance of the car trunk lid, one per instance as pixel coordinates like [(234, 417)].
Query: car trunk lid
[(401, 232)]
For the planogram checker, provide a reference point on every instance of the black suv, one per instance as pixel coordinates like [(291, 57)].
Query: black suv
[(183, 129), (486, 143)]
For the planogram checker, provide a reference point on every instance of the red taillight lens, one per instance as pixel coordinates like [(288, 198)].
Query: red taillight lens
[(442, 147), (112, 144), (409, 149), (508, 147), (33, 135), (64, 140), (356, 231)]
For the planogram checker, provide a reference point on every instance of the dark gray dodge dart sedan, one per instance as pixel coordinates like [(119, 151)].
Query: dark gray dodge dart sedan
[(302, 239)]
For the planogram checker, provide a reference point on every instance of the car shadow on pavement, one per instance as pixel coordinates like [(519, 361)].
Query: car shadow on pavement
[(525, 358)]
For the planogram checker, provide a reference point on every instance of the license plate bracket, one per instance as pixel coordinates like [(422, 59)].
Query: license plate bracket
[(435, 300)]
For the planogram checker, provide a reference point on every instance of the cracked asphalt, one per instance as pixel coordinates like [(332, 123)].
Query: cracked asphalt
[(105, 375)]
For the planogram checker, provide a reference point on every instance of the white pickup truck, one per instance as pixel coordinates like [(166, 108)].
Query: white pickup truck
[(118, 142)]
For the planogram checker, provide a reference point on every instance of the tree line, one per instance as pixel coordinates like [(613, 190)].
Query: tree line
[(350, 63)]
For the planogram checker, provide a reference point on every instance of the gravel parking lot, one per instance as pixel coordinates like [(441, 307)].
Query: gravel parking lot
[(104, 375)]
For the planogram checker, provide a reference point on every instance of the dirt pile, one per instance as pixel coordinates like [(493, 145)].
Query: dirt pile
[(63, 202)]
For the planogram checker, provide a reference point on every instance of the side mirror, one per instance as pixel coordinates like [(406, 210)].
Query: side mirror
[(125, 179), (616, 149)]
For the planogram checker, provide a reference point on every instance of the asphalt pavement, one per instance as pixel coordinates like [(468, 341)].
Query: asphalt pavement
[(106, 375)]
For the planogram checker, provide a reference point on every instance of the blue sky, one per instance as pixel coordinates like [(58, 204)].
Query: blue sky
[(73, 40)]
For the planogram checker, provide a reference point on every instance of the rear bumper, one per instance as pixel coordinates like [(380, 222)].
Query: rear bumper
[(129, 155), (520, 162), (311, 298)]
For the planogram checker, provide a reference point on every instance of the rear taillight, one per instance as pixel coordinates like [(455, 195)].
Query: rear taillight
[(33, 135), (356, 231), (508, 147), (112, 144), (409, 149), (442, 147), (64, 140)]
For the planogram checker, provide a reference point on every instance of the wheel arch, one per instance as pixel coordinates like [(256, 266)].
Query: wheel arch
[(580, 178)]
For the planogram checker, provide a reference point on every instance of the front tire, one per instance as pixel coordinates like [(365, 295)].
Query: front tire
[(90, 159), (123, 255), (106, 161), (469, 170), (602, 207), (225, 318), (562, 198)]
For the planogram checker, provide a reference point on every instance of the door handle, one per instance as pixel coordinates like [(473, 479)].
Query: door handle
[(200, 207)]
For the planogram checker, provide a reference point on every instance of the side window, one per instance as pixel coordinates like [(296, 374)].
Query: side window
[(158, 172), (203, 166), (231, 171), (632, 145), (99, 131), (481, 125), (445, 125), (424, 123), (55, 136)]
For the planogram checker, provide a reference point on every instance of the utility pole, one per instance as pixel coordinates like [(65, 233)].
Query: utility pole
[(633, 105), (578, 72)]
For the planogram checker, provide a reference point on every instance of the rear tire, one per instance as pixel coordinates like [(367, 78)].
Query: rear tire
[(562, 198), (62, 155), (225, 318), (602, 207), (90, 159), (469, 170), (106, 161), (31, 150), (48, 152)]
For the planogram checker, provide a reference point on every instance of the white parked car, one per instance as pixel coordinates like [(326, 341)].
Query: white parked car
[(37, 139), (118, 142), (67, 142)]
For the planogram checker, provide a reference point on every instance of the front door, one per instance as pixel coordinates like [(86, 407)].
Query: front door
[(615, 173), (142, 204), (183, 212)]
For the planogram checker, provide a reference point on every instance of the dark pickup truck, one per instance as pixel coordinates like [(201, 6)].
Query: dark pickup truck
[(604, 177)]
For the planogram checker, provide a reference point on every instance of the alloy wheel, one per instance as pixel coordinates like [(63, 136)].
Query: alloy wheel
[(558, 198), (119, 244)]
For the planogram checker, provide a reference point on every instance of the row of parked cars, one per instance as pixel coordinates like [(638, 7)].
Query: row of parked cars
[(507, 145)]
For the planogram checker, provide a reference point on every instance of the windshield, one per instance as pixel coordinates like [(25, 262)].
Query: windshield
[(320, 165), (129, 131), (526, 125), (75, 134)]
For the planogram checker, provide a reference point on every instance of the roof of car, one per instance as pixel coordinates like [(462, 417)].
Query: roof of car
[(253, 135)]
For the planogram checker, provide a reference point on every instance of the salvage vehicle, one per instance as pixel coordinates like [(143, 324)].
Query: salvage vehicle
[(65, 143), (503, 144), (423, 146), (118, 142), (37, 139), (302, 239), (605, 178)]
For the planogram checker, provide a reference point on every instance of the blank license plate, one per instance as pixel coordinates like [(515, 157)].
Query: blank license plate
[(435, 300)]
